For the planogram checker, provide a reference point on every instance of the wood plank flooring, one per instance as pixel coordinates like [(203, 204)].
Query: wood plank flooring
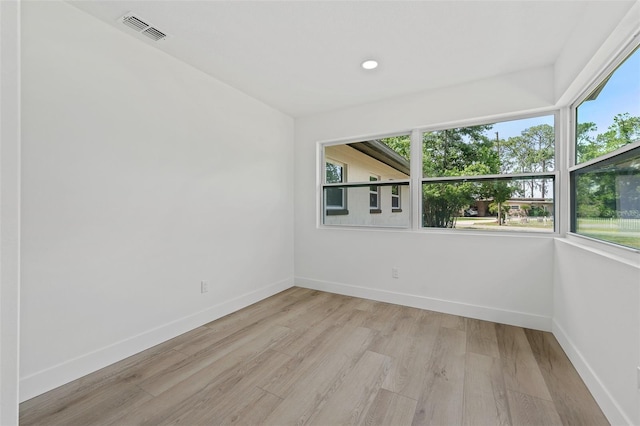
[(308, 357)]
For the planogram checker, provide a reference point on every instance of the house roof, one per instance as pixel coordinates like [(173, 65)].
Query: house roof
[(381, 152)]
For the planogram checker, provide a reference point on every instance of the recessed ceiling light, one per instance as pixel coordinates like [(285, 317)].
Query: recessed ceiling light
[(370, 64)]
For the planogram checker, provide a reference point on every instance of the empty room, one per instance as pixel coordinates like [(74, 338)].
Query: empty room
[(320, 212)]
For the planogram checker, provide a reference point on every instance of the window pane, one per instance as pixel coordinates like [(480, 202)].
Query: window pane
[(373, 193), (517, 146), (334, 173), (358, 211), (373, 200), (395, 197), (335, 198), (610, 116), (607, 200), (487, 204)]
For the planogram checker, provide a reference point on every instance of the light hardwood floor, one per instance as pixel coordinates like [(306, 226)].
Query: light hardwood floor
[(305, 356)]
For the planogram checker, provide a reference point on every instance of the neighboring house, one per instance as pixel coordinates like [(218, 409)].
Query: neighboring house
[(361, 162), (516, 206), (536, 205)]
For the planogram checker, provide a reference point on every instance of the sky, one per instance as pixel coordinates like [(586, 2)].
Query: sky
[(621, 94), (507, 129)]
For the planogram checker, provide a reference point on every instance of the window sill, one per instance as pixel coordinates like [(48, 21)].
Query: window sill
[(375, 211), (396, 210), (337, 212), (605, 248)]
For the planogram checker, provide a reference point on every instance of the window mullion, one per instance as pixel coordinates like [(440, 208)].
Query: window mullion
[(416, 179)]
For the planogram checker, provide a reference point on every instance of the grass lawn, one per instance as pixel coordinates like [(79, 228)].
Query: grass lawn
[(611, 231), (491, 223)]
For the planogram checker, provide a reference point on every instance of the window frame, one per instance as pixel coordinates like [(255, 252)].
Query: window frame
[(416, 178), (554, 175), (333, 210), (398, 196), (322, 184), (633, 47), (374, 190)]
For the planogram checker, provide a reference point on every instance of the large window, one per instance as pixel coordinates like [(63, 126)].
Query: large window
[(472, 176), (605, 182), (492, 177), (378, 177)]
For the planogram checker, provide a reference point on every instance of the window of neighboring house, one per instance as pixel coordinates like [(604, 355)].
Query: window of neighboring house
[(395, 199), (374, 196), (485, 166), (335, 197), (605, 182), (384, 161)]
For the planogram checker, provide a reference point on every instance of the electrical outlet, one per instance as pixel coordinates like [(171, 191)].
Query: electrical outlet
[(395, 272), (204, 286)]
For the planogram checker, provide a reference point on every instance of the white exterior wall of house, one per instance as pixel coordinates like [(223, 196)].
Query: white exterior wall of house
[(359, 168)]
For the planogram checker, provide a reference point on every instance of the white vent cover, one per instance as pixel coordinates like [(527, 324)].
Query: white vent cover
[(143, 27)]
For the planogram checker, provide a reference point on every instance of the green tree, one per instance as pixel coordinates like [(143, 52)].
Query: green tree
[(500, 191), (500, 209), (443, 201), (532, 151), (400, 144), (624, 130), (460, 151), (586, 147), (465, 151), (598, 193)]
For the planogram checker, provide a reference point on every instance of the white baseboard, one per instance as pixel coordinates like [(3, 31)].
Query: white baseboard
[(50, 378), (520, 319), (603, 397)]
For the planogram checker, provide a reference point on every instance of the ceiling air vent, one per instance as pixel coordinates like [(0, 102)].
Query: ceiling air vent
[(142, 27)]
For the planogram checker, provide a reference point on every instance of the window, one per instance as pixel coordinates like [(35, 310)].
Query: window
[(484, 169), (607, 199), (336, 200), (384, 161), (374, 195), (605, 182), (395, 199)]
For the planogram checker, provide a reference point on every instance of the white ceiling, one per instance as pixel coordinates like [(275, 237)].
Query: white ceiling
[(303, 57)]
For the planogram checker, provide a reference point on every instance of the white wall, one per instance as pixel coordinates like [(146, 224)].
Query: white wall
[(574, 68), (133, 192), (597, 321), (596, 287), (141, 177), (9, 209), (586, 53), (588, 298), (504, 278)]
